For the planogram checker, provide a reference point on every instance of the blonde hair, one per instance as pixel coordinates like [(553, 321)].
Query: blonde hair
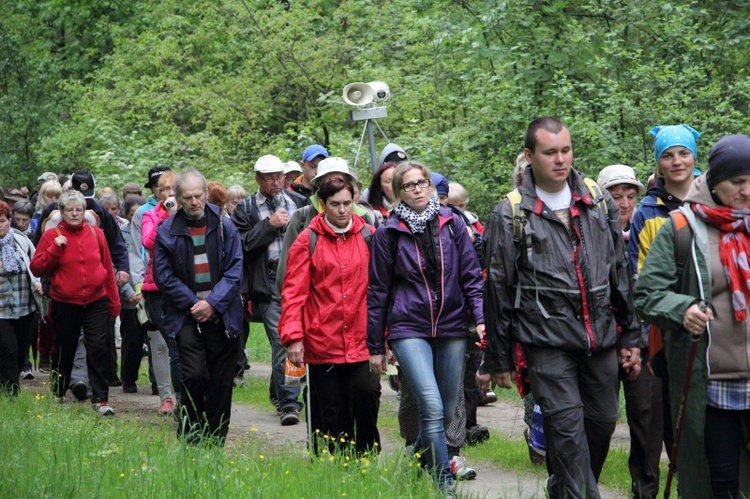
[(457, 194), (401, 169), (50, 187)]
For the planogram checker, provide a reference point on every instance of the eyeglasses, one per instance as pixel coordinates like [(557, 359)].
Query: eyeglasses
[(423, 184), (279, 177)]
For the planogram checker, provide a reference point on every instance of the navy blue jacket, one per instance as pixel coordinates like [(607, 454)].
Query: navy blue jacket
[(175, 276)]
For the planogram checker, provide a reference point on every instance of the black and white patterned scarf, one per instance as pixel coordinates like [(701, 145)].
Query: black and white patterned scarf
[(11, 258), (417, 221)]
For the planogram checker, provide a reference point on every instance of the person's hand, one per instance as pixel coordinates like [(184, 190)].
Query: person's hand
[(39, 289), (482, 343), (202, 311), (694, 321), (122, 277), (135, 299), (471, 233), (279, 218), (630, 360), (170, 204), (483, 381), (501, 380), (295, 352), (61, 241), (377, 363)]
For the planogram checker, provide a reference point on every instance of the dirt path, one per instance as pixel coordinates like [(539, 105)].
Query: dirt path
[(502, 417)]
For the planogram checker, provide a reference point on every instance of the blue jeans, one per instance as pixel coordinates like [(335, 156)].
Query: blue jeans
[(432, 367), (283, 396)]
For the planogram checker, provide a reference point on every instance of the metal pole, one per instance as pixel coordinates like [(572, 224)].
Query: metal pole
[(371, 139)]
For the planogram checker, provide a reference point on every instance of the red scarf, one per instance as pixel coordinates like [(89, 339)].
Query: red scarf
[(734, 226)]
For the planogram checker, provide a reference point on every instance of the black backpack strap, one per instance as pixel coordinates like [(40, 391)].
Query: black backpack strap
[(683, 240)]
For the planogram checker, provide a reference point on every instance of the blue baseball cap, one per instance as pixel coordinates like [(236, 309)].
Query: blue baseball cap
[(313, 152)]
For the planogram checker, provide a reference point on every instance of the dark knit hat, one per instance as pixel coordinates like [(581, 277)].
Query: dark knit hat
[(729, 157)]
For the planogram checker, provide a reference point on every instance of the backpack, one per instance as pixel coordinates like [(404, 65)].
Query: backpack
[(683, 241)]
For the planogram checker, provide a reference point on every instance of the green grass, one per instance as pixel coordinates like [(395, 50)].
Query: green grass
[(53, 450)]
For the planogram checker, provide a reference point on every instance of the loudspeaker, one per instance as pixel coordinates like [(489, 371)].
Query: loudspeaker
[(358, 94), (381, 89)]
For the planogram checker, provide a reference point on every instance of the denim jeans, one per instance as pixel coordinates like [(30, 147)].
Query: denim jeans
[(282, 395), (432, 367)]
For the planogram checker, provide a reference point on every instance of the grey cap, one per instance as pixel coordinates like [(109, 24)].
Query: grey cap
[(391, 148)]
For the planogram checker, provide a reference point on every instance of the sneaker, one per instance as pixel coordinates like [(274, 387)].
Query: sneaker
[(477, 434), (27, 375), (128, 388), (460, 471), (167, 406), (80, 390), (239, 380), (154, 390), (289, 416), (487, 398), (104, 409), (114, 382)]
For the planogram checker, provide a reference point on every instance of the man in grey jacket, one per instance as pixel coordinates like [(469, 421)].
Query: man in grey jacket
[(557, 283)]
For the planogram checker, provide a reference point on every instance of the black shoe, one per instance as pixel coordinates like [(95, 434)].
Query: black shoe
[(154, 390), (477, 434), (289, 416), (80, 390), (114, 382), (128, 388)]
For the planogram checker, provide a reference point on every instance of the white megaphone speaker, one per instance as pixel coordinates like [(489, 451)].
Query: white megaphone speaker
[(358, 94), (381, 89)]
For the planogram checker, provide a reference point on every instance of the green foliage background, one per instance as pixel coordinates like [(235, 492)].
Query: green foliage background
[(118, 86)]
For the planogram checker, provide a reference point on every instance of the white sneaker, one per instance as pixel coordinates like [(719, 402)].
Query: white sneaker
[(104, 409), (26, 375), (460, 471)]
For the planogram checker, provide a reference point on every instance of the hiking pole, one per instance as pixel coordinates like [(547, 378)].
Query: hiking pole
[(683, 402), (310, 434)]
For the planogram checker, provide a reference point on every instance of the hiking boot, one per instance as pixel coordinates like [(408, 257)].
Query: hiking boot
[(289, 416), (114, 382), (44, 363), (129, 388), (477, 434), (27, 374), (460, 471), (80, 390), (104, 409)]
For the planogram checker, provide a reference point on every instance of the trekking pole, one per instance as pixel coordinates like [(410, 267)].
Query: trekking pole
[(310, 434), (681, 411)]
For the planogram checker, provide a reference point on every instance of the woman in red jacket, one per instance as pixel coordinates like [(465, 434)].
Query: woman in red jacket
[(83, 293), (324, 321)]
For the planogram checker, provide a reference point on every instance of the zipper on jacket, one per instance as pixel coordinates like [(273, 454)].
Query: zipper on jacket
[(582, 286), (427, 286)]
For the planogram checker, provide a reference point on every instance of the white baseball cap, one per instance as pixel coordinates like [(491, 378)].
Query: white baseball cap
[(269, 164), (292, 166)]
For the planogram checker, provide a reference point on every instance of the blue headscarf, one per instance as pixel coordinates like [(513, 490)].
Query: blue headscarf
[(674, 135)]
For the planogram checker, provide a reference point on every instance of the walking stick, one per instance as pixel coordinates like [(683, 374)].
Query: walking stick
[(681, 411)]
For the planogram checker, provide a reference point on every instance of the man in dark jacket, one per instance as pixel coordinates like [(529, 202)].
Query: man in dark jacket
[(262, 219), (558, 283), (198, 268)]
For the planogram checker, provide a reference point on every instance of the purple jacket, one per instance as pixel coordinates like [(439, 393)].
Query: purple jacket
[(400, 296)]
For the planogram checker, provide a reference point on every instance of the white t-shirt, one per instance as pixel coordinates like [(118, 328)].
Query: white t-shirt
[(559, 202)]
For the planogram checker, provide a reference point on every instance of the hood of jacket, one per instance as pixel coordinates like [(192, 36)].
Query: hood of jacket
[(700, 193), (321, 227)]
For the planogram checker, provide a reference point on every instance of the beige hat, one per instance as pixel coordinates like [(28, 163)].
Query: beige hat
[(292, 166), (269, 164), (331, 165), (613, 175), (44, 177)]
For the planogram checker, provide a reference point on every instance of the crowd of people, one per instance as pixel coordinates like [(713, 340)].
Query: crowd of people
[(571, 289)]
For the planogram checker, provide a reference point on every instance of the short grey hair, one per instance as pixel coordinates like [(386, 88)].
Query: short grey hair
[(185, 175), (71, 197)]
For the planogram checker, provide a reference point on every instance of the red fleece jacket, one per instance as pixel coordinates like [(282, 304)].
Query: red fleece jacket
[(81, 270)]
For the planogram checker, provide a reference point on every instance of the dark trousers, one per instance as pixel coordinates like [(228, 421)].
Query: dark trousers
[(724, 443), (111, 371), (131, 349), (208, 359), (154, 302), (345, 400), (578, 397), (15, 338), (69, 319), (472, 393), (643, 406)]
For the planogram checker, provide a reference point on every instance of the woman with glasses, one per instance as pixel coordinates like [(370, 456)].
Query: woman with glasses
[(425, 287), (84, 294), (162, 347)]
